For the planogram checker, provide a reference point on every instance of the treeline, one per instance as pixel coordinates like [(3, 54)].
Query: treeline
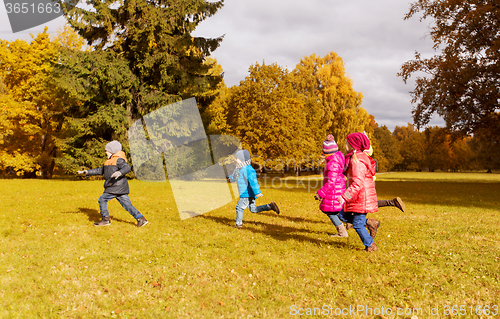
[(61, 104), (433, 149), (62, 101)]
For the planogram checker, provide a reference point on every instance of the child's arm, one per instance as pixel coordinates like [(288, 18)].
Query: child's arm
[(251, 176), (123, 166), (358, 172), (96, 171), (333, 173)]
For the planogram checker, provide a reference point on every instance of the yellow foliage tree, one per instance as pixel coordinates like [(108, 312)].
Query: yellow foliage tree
[(32, 109), (269, 117), (333, 105)]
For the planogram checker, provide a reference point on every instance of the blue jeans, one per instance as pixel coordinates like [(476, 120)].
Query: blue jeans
[(358, 221), (334, 218), (124, 200), (245, 202)]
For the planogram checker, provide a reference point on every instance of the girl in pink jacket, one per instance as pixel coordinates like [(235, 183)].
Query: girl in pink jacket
[(333, 184), (360, 196)]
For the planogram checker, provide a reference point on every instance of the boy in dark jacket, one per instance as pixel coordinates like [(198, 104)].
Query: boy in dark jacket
[(248, 187), (116, 184)]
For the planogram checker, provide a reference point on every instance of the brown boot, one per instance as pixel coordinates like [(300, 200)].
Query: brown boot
[(398, 202), (372, 248), (342, 232), (275, 207), (372, 225)]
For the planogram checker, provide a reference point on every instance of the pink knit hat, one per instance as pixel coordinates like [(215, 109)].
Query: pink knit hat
[(329, 145)]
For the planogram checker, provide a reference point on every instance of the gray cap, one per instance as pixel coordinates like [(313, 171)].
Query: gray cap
[(242, 155), (113, 147)]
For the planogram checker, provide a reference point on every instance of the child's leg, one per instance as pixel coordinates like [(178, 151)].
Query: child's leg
[(338, 224), (346, 217), (334, 218), (124, 200), (257, 209), (359, 222), (240, 207), (396, 202), (103, 203)]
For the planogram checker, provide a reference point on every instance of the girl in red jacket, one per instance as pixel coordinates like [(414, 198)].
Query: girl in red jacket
[(333, 184), (360, 196)]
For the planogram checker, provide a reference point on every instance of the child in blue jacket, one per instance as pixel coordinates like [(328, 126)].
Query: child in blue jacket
[(248, 188)]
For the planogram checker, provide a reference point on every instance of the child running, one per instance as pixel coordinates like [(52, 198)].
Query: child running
[(333, 184), (115, 185), (396, 202), (360, 196), (248, 188)]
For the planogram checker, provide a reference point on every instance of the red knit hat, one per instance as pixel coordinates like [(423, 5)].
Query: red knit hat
[(358, 141)]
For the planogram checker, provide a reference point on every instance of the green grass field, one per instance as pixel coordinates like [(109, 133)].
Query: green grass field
[(440, 257)]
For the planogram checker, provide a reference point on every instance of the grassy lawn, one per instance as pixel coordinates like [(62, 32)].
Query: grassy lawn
[(443, 252)]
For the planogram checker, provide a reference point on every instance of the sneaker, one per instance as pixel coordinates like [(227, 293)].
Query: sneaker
[(141, 221), (372, 225), (238, 226), (372, 248), (398, 202), (105, 221), (275, 207)]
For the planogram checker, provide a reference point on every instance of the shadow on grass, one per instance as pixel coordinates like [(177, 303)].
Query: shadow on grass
[(278, 232), (303, 220), (94, 215), (441, 193), (478, 195)]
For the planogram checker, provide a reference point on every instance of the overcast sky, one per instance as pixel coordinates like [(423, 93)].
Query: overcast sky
[(371, 37)]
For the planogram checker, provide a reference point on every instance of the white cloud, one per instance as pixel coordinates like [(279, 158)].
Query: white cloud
[(371, 37)]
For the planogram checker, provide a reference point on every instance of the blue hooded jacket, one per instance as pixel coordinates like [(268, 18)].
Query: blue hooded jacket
[(245, 175)]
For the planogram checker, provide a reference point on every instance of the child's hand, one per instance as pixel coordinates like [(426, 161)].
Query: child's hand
[(317, 197), (82, 172), (259, 195), (341, 200), (116, 174)]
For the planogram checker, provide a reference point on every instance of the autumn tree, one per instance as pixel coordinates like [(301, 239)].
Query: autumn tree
[(332, 105), (438, 151), (269, 116), (463, 156), (31, 104), (461, 82), (388, 146), (485, 146), (412, 147), (214, 115)]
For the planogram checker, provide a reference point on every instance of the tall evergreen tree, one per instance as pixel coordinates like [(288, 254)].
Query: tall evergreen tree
[(154, 38)]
